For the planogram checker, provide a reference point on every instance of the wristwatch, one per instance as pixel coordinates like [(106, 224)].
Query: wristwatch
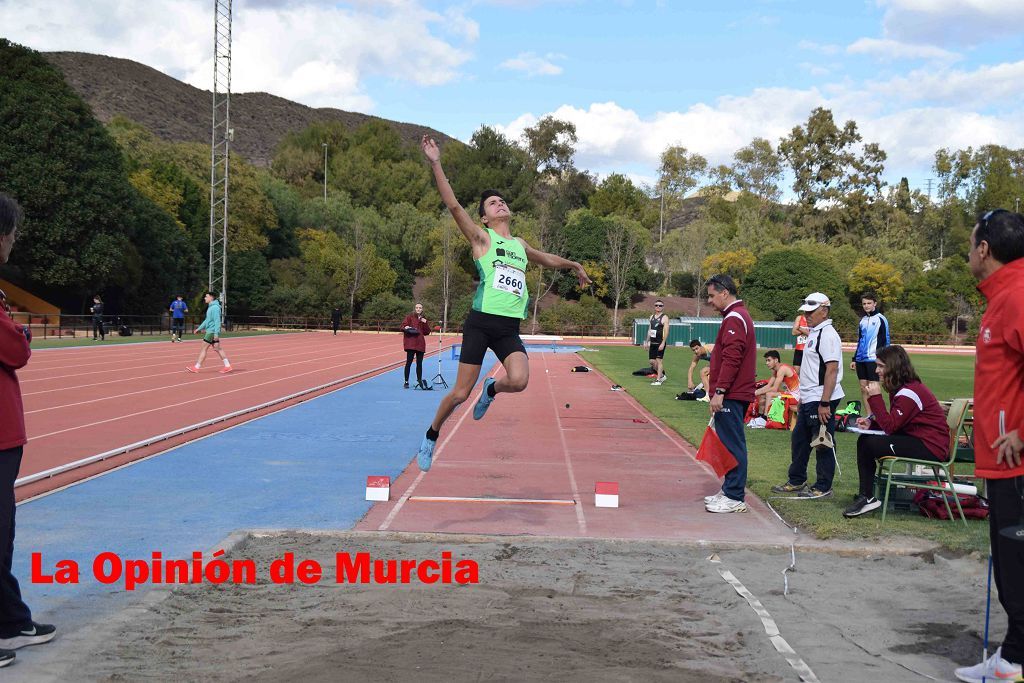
[(720, 391)]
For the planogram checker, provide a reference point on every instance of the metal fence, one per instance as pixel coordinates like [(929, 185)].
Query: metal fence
[(681, 330)]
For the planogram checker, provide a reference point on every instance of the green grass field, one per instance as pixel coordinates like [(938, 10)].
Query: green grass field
[(139, 339), (949, 376)]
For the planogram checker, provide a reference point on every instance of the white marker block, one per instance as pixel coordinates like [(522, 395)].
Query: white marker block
[(378, 488), (606, 494)]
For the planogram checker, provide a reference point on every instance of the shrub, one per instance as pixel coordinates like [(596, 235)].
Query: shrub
[(568, 317), (386, 307), (904, 323), (780, 280)]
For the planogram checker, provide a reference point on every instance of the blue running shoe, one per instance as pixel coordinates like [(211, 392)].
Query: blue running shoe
[(426, 454), (485, 401)]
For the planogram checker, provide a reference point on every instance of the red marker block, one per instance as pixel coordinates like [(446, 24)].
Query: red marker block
[(606, 494), (378, 488)]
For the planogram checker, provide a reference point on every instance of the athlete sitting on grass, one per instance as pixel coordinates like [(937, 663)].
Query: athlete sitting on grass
[(499, 304)]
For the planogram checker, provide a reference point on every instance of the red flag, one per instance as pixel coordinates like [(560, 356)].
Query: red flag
[(713, 452)]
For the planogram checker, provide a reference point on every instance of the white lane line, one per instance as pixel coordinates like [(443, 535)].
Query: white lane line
[(437, 450), (581, 520)]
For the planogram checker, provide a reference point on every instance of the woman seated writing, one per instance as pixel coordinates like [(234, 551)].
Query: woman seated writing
[(914, 425)]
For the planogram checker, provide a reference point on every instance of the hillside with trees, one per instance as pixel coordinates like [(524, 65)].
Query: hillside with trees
[(119, 205)]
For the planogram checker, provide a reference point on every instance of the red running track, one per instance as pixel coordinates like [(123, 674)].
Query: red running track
[(85, 401), (549, 445)]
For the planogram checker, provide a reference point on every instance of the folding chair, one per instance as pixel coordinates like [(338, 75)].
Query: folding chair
[(943, 480)]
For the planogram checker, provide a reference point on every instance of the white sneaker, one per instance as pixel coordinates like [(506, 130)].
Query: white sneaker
[(657, 382), (726, 504), (708, 500), (993, 669)]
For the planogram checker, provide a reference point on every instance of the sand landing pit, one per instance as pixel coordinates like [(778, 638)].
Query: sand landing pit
[(553, 609)]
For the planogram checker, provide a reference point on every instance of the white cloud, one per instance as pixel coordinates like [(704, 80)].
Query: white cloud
[(314, 51), (814, 69), (900, 114), (823, 48), (888, 49), (534, 65), (990, 86), (951, 22)]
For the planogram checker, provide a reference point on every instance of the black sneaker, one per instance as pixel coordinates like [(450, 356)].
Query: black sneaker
[(861, 505), (6, 657), (34, 634), (406, 386), (815, 493)]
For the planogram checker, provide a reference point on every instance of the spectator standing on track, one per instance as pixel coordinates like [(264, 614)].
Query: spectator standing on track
[(732, 376), (800, 331), (211, 325), (872, 337), (16, 626), (821, 380), (499, 304), (336, 319), (656, 340), (98, 333), (996, 260), (414, 328), (178, 310)]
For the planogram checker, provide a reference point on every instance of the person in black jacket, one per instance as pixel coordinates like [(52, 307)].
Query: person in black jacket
[(97, 319), (336, 318)]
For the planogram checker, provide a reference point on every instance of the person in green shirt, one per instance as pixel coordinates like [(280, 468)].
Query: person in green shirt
[(211, 325), (498, 306)]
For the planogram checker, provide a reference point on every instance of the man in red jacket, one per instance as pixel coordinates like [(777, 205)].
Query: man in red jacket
[(16, 626), (996, 259), (731, 388)]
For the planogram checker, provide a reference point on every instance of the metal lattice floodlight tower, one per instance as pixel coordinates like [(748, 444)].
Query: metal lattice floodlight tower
[(220, 143)]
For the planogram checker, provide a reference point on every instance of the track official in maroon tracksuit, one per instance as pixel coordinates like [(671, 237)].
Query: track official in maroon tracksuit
[(414, 328), (733, 373), (996, 259), (16, 626)]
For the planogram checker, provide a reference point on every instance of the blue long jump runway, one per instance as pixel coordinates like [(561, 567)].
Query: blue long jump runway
[(301, 468)]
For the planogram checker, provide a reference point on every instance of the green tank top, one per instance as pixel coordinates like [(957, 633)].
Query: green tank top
[(502, 288)]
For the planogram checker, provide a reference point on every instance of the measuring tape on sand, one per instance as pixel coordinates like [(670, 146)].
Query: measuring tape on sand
[(772, 629)]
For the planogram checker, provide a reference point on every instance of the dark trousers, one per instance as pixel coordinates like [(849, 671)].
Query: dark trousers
[(14, 613), (177, 327), (335, 324), (97, 328), (807, 427), (729, 426), (1006, 509), (409, 355), (871, 447)]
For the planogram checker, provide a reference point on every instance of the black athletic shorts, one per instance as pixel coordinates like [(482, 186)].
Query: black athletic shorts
[(483, 331), (655, 352), (798, 357), (868, 371)]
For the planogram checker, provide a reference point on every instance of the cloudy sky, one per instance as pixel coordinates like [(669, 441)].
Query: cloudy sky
[(633, 75)]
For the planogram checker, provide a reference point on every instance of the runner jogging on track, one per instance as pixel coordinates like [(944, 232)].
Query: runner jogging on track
[(498, 306)]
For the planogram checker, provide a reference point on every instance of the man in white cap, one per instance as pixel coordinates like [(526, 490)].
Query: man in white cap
[(821, 377)]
